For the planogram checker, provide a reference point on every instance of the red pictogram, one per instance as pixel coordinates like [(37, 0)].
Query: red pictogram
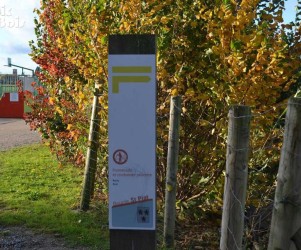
[(120, 156)]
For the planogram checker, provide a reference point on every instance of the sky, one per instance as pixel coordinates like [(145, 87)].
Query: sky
[(17, 29)]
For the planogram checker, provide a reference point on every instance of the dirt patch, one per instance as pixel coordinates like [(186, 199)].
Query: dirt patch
[(15, 238)]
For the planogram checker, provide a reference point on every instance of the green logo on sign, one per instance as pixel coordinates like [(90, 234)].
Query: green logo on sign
[(116, 80)]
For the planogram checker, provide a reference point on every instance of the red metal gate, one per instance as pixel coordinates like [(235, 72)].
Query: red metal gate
[(12, 105)]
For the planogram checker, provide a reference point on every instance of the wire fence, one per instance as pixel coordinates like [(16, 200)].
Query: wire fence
[(258, 212), (256, 216)]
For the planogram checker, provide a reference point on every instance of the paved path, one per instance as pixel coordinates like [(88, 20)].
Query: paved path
[(15, 132)]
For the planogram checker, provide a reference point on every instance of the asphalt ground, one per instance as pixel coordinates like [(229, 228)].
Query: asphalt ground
[(15, 133)]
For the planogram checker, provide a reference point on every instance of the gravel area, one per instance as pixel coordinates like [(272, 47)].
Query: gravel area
[(15, 132), (20, 238)]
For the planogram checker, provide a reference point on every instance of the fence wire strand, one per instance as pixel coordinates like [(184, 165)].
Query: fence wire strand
[(255, 221)]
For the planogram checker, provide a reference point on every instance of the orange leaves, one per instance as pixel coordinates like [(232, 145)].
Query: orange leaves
[(51, 100)]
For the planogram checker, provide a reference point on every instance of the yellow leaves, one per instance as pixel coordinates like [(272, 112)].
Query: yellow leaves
[(94, 32), (82, 99), (158, 8), (203, 123), (125, 26), (93, 10), (245, 16), (103, 101), (202, 96), (81, 95), (194, 24), (87, 71), (58, 110), (164, 20), (67, 79), (245, 4), (216, 50), (204, 13), (195, 64), (254, 42), (130, 9), (100, 71), (164, 73), (123, 8), (190, 92), (59, 42), (74, 135), (175, 92), (105, 106), (280, 71), (51, 100)]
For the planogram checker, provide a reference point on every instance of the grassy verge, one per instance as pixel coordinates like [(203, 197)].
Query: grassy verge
[(37, 193)]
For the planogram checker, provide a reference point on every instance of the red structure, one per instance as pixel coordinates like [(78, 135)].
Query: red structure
[(12, 105)]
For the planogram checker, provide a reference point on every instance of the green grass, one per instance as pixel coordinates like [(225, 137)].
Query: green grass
[(37, 193)]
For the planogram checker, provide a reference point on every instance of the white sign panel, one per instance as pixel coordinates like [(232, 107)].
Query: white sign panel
[(14, 97), (132, 141)]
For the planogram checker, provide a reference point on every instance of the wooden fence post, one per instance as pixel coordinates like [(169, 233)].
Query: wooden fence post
[(285, 230), (236, 178), (172, 168), (91, 160)]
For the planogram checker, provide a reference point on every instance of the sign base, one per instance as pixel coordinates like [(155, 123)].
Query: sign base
[(132, 239)]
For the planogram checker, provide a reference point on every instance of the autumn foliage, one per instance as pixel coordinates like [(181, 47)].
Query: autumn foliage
[(212, 53)]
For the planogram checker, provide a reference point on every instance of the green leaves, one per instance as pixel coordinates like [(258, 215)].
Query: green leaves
[(236, 45)]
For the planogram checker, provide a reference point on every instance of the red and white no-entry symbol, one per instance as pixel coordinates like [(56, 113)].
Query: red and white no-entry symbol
[(120, 156)]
